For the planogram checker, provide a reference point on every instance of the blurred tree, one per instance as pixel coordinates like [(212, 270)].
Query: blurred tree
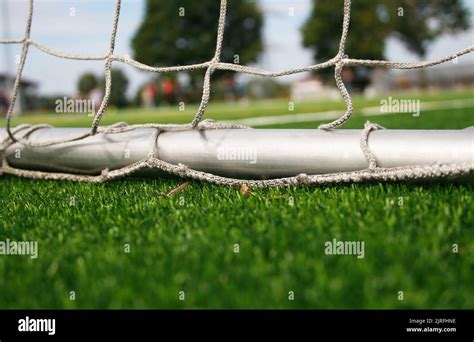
[(118, 91), (415, 22), (418, 23), (179, 32), (87, 82), (368, 29)]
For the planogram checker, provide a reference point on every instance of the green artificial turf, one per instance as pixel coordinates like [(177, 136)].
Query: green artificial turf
[(187, 243), (433, 119), (418, 239)]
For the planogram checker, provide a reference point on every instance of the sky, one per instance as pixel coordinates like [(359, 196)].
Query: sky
[(83, 26)]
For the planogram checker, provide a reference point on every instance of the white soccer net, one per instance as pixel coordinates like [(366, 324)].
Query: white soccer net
[(373, 172)]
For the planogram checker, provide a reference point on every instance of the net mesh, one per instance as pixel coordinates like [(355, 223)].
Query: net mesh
[(21, 133)]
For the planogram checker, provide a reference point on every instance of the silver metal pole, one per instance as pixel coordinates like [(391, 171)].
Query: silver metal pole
[(241, 153)]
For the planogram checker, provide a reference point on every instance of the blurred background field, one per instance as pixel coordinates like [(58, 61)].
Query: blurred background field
[(452, 109), (274, 35)]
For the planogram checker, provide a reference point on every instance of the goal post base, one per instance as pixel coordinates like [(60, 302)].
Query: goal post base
[(243, 153)]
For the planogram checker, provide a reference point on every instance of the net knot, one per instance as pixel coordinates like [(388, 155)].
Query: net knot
[(364, 144), (104, 174), (302, 178), (181, 168), (205, 124)]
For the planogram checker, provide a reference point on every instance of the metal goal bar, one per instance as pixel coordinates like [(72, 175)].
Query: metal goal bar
[(243, 153)]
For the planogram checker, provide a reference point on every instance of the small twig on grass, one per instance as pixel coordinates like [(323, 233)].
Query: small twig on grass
[(177, 189), (174, 191)]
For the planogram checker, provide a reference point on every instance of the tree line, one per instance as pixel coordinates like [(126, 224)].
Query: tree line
[(180, 32)]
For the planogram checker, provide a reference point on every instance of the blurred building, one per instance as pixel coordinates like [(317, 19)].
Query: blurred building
[(27, 94), (312, 89), (445, 76)]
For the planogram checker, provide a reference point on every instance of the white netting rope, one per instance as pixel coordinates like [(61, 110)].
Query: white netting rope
[(338, 62)]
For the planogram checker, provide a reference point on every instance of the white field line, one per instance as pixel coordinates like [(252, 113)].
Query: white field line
[(334, 114)]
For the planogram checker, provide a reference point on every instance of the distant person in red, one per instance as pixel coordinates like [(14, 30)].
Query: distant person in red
[(230, 87), (4, 103), (149, 95), (168, 88)]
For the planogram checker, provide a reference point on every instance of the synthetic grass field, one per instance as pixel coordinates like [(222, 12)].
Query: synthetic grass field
[(187, 242)]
